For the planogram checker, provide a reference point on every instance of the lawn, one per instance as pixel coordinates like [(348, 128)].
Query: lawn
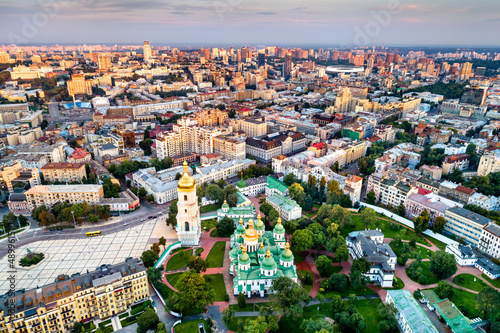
[(422, 251), (172, 278), (349, 291), (191, 326), (464, 299), (217, 282), (208, 208), (403, 232), (179, 260), (208, 224), (438, 243), (290, 325), (467, 281), (302, 276), (495, 283), (215, 257), (311, 214), (368, 309), (426, 267)]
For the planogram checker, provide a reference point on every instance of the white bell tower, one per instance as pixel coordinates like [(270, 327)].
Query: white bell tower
[(188, 213)]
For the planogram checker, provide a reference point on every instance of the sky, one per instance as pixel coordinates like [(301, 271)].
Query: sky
[(210, 23)]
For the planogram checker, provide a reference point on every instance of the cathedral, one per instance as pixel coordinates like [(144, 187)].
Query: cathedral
[(259, 257), (188, 214)]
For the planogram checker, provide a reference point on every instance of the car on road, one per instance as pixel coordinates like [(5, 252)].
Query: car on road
[(143, 219), (151, 217), (201, 328), (125, 223)]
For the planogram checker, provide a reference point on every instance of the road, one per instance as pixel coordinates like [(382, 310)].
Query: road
[(128, 221)]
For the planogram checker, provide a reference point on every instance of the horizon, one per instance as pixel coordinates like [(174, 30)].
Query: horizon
[(357, 23)]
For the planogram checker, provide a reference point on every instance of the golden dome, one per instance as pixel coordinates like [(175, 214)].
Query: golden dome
[(186, 183), (251, 234)]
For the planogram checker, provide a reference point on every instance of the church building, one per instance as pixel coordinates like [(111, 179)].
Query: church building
[(188, 215)]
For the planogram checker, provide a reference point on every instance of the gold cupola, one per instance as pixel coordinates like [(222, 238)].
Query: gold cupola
[(186, 183)]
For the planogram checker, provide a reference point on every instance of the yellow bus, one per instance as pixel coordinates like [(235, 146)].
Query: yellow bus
[(93, 233)]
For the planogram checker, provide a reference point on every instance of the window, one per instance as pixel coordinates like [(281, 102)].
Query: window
[(186, 228), (185, 198)]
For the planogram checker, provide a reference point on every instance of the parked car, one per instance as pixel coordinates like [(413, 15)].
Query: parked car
[(201, 328)]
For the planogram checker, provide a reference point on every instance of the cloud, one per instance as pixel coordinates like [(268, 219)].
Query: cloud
[(492, 20), (266, 13)]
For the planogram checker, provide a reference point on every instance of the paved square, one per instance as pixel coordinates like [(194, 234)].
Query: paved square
[(76, 255)]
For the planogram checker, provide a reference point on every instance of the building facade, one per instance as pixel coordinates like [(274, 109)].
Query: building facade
[(49, 195), (64, 172), (463, 223)]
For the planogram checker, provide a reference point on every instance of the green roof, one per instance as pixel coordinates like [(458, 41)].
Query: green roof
[(283, 202), (430, 296), (268, 263), (453, 317), (241, 198), (408, 307), (286, 255), (241, 184), (276, 183)]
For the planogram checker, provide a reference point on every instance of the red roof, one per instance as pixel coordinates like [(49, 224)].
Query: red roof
[(320, 145), (374, 139), (212, 155), (423, 191)]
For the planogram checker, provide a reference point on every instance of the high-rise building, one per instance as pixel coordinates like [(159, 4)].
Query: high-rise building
[(79, 86), (147, 51), (4, 57), (465, 70), (287, 66), (262, 59), (188, 216), (104, 61)]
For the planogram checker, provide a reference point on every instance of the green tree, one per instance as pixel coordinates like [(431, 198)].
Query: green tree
[(314, 326), (368, 217), (149, 258), (147, 320), (370, 198), (324, 266), (225, 227), (350, 320), (318, 233), (357, 278), (23, 221), (339, 282), (443, 264), (456, 176), (142, 192), (421, 222), (444, 289), (439, 224), (488, 302), (163, 242), (198, 264), (255, 326), (154, 275), (296, 192), (10, 222), (290, 179), (227, 315), (340, 215), (265, 208), (308, 204), (342, 254), (335, 167), (273, 215), (302, 240), (401, 210), (361, 265), (387, 314), (242, 302), (288, 296), (193, 292)]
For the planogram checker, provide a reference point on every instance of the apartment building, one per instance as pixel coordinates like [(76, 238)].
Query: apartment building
[(431, 171), (64, 172), (420, 200), (211, 117), (455, 192), (489, 241), (99, 294), (14, 176), (353, 186), (385, 132), (229, 147), (452, 162), (253, 127), (393, 193), (49, 195), (465, 224), (79, 155), (484, 201), (488, 163), (54, 153)]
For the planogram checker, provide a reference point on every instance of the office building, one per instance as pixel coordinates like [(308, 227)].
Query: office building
[(147, 51), (474, 94), (265, 147)]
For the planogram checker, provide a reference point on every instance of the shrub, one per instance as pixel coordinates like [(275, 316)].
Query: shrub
[(241, 300)]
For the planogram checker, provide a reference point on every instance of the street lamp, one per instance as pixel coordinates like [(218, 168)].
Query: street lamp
[(73, 213)]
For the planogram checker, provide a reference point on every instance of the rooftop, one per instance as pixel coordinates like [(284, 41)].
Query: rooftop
[(408, 307), (470, 215), (39, 189)]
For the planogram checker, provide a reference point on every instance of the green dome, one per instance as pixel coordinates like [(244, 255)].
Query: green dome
[(240, 229), (225, 205), (244, 258), (261, 250), (279, 229), (268, 262), (239, 240), (241, 184), (259, 225), (286, 254)]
